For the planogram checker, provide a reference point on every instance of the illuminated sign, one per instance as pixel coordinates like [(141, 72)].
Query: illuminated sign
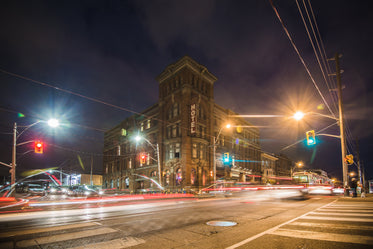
[(193, 119)]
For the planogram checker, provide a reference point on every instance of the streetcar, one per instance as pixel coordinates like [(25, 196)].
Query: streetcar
[(315, 182)]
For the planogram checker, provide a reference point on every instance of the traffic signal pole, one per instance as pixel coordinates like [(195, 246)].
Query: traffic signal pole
[(341, 123), (13, 170)]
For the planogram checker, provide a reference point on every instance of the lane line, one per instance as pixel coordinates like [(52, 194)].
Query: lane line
[(64, 237), (111, 244), (47, 229), (357, 239), (272, 229)]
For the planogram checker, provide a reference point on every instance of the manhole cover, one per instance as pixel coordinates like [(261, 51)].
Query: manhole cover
[(220, 223)]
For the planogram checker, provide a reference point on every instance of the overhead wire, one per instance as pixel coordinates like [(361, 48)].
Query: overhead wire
[(300, 56), (313, 45), (329, 81)]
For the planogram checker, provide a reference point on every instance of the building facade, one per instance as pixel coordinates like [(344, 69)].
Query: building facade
[(181, 136)]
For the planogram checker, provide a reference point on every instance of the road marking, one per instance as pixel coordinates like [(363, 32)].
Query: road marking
[(345, 210), (64, 237), (337, 218), (272, 229), (117, 243), (47, 229), (340, 214), (357, 239), (329, 225)]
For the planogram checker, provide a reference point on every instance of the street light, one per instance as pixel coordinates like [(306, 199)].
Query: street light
[(297, 165), (215, 144), (51, 122), (156, 149)]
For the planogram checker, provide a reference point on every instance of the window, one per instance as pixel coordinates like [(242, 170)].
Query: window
[(179, 176), (177, 150), (167, 177), (127, 182), (171, 151), (201, 151), (193, 177), (194, 150), (148, 124), (174, 130), (124, 132), (118, 150), (142, 126), (130, 164), (175, 110), (147, 158)]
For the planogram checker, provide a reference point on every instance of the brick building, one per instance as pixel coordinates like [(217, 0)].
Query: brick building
[(179, 135)]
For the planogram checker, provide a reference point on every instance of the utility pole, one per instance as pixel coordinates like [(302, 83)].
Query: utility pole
[(362, 182), (341, 123)]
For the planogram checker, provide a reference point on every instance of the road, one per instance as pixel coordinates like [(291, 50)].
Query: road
[(255, 222)]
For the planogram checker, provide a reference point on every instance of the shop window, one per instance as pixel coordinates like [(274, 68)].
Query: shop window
[(127, 182), (193, 177), (167, 177), (179, 176)]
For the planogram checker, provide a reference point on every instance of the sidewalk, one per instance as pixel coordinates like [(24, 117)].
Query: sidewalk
[(367, 198)]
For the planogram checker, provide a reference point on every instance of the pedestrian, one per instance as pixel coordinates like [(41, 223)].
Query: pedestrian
[(353, 187)]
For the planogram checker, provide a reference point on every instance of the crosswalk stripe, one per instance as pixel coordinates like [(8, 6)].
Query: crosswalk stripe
[(116, 243), (357, 239), (64, 237), (337, 218), (340, 214), (329, 225), (345, 210), (47, 229), (368, 206)]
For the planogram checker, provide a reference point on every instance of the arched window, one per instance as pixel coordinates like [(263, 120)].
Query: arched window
[(179, 176)]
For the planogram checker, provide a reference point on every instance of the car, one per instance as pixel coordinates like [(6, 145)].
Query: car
[(57, 190), (83, 191)]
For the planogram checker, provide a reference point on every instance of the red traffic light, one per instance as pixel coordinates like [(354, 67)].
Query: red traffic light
[(142, 158), (38, 147)]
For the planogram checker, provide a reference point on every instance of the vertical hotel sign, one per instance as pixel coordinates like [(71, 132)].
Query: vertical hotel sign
[(193, 119)]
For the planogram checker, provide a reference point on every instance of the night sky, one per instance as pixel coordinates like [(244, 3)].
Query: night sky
[(92, 63)]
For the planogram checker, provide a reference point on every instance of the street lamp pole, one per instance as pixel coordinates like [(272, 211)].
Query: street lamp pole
[(156, 149), (13, 170), (51, 122), (215, 144)]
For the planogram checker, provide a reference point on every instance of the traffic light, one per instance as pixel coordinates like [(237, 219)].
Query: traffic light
[(349, 159), (226, 158), (38, 147), (310, 135), (142, 158)]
